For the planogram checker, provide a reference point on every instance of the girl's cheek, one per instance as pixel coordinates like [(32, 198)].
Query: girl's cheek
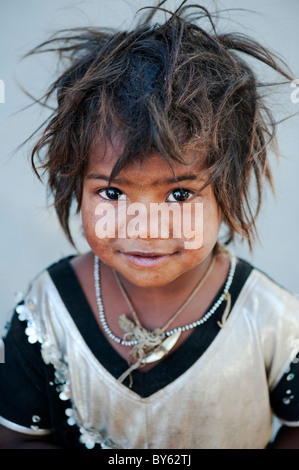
[(193, 226), (105, 221)]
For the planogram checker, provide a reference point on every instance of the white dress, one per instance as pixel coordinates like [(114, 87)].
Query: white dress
[(222, 400)]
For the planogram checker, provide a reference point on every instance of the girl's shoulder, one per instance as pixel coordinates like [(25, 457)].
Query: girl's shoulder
[(262, 286), (63, 273), (49, 299), (267, 304), (271, 315)]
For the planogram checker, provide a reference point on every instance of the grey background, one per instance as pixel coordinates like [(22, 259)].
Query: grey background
[(30, 238)]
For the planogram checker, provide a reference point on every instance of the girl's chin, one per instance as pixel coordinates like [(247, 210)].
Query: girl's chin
[(156, 270)]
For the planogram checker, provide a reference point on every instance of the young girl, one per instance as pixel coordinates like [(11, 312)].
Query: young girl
[(158, 337)]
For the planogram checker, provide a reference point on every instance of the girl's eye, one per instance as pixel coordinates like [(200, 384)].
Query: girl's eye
[(179, 195), (112, 194)]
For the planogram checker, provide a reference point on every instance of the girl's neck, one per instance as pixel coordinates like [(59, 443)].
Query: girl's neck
[(156, 305), (177, 289)]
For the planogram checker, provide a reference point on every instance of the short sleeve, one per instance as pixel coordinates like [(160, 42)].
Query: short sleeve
[(285, 396), (23, 391)]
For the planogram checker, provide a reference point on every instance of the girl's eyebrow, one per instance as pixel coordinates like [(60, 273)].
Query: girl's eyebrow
[(190, 177)]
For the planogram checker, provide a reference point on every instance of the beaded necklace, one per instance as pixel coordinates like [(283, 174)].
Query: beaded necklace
[(150, 346)]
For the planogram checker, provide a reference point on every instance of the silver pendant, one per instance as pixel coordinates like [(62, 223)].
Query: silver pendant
[(163, 349)]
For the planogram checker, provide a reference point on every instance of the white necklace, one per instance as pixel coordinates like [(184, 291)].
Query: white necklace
[(225, 296)]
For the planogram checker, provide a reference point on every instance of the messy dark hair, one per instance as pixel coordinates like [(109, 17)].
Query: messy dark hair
[(164, 86)]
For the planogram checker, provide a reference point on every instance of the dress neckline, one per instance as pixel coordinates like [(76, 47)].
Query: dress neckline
[(167, 370)]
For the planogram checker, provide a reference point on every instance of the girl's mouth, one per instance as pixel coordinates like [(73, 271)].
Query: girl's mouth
[(147, 260)]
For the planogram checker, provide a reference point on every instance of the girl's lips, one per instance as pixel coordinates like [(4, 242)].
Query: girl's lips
[(147, 260)]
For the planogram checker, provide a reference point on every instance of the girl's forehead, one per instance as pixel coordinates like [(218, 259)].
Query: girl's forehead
[(105, 154), (106, 151)]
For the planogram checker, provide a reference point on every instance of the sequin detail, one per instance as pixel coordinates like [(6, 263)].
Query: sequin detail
[(52, 355), (91, 436), (287, 400), (35, 419)]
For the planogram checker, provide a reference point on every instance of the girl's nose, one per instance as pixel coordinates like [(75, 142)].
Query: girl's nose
[(153, 220), (139, 220)]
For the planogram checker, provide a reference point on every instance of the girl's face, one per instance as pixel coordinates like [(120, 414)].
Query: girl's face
[(153, 224)]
